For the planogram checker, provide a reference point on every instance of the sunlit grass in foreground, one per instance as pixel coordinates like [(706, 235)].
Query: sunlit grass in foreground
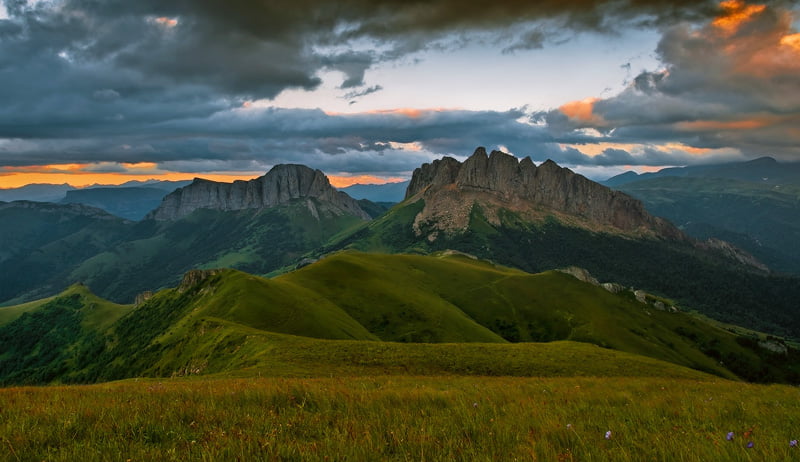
[(402, 418)]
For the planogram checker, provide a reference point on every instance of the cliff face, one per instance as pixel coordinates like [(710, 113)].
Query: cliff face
[(499, 181), (282, 184)]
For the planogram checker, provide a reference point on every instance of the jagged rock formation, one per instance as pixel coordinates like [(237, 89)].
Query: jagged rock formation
[(499, 181), (282, 184)]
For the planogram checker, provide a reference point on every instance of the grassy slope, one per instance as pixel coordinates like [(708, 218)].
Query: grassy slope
[(98, 313), (412, 299), (230, 320), (403, 418), (10, 313), (56, 339), (402, 297)]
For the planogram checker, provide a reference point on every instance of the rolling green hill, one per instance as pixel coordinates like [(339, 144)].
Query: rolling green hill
[(355, 313), (762, 218)]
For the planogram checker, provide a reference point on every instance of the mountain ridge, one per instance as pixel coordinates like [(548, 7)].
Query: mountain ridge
[(500, 180), (282, 184), (766, 170)]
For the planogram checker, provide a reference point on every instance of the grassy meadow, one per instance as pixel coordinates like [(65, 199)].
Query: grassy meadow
[(402, 418)]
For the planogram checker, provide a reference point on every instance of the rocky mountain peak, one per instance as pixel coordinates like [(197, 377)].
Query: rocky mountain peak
[(282, 184), (500, 181)]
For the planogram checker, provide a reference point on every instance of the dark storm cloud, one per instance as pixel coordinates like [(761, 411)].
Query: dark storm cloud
[(57, 57), (383, 142), (161, 80)]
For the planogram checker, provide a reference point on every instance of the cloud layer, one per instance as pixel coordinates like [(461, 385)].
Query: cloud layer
[(170, 82), (733, 83)]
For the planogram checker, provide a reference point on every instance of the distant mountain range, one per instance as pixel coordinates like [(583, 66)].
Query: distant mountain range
[(388, 192), (754, 205), (764, 170), (132, 203), (131, 200), (494, 206), (36, 192)]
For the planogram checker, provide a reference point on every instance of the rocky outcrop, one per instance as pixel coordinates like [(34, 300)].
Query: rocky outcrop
[(500, 180), (580, 274), (641, 296), (732, 252), (194, 277), (143, 297), (282, 184)]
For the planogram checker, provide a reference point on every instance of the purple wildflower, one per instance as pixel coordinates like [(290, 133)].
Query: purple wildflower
[(750, 444), (793, 443), (729, 436), (608, 435)]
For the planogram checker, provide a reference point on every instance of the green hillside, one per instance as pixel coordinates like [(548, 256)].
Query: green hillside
[(355, 313), (121, 259), (56, 338), (435, 299), (762, 218), (41, 242), (252, 241), (706, 281)]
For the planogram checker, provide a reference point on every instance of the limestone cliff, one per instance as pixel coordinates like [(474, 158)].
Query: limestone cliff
[(499, 181), (282, 184)]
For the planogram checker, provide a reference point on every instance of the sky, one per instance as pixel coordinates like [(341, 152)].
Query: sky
[(107, 91)]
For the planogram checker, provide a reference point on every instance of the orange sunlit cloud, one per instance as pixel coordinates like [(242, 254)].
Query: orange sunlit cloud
[(735, 13), (719, 125), (764, 51), (672, 147), (166, 22), (582, 111), (595, 149), (792, 41)]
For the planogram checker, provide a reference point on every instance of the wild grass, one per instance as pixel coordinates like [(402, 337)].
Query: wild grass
[(402, 418)]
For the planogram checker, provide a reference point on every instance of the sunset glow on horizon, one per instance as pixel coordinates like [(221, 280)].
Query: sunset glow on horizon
[(76, 179)]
